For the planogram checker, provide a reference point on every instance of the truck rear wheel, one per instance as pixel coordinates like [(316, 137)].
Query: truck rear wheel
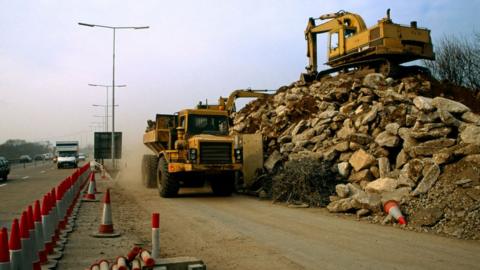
[(149, 171), (223, 184), (167, 184)]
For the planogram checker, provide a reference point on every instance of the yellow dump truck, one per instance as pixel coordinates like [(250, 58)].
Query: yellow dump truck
[(191, 147), (194, 146)]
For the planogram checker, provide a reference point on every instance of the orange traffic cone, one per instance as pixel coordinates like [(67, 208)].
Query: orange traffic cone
[(106, 227), (148, 261), (391, 207), (4, 253), (15, 246), (90, 196)]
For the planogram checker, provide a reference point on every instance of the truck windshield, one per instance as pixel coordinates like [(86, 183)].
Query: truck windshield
[(207, 124), (67, 154)]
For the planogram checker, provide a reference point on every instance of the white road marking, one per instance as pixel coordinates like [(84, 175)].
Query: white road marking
[(2, 185), (25, 177)]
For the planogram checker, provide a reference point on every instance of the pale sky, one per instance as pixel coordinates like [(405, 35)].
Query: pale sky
[(194, 50)]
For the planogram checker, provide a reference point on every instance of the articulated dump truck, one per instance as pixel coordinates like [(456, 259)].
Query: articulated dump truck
[(194, 147)]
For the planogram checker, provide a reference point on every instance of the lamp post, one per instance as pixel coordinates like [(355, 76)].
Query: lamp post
[(105, 124), (114, 28), (106, 102)]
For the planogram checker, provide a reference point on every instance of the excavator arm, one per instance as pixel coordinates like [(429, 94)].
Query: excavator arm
[(229, 103)]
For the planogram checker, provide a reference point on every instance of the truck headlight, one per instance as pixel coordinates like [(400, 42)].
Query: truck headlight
[(192, 154), (238, 154)]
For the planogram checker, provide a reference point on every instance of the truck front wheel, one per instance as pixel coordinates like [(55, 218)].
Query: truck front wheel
[(167, 184)]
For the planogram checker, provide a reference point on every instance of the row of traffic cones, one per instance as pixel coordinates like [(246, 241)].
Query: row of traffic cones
[(36, 241)]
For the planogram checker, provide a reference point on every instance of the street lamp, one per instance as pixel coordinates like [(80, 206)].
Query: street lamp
[(106, 104), (114, 28), (105, 124)]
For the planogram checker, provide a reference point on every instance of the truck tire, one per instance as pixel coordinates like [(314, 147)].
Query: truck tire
[(167, 184), (223, 184), (149, 171)]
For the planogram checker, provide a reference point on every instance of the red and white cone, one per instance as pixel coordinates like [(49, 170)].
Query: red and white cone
[(37, 217), (155, 236), (147, 259), (133, 253), (33, 237), (26, 243), (391, 207), (95, 266), (136, 264), (103, 264), (106, 227), (122, 263), (4, 252), (15, 246), (90, 196)]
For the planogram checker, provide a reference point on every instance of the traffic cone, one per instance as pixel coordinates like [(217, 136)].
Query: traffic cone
[(90, 196), (32, 232), (15, 246), (92, 178), (148, 261), (47, 236), (26, 243), (94, 266), (136, 265), (54, 253), (133, 253), (4, 252), (106, 227), (104, 265), (122, 263), (391, 207), (37, 216), (156, 235)]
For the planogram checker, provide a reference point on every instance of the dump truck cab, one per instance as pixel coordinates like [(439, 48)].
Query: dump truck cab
[(191, 147), (203, 143)]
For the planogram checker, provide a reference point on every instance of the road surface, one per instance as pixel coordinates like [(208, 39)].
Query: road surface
[(25, 185), (241, 232)]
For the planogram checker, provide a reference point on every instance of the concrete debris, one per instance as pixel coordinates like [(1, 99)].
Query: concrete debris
[(361, 159), (449, 105), (382, 185), (382, 138)]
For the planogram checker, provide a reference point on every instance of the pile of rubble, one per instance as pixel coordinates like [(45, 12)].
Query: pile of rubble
[(388, 139)]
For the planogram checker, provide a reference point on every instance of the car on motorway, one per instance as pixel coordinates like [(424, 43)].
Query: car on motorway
[(25, 159), (4, 168), (38, 157)]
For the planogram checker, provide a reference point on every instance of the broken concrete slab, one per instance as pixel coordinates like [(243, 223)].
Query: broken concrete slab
[(361, 159)]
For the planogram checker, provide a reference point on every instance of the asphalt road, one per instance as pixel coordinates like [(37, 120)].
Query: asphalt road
[(25, 185), (241, 232)]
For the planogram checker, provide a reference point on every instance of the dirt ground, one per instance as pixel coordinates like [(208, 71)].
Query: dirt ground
[(241, 232)]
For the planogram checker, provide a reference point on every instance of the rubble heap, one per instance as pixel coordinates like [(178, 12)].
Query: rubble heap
[(389, 139)]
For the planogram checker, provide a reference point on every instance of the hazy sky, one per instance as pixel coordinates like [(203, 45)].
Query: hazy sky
[(194, 50)]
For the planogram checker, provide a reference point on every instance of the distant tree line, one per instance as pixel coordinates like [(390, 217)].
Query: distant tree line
[(457, 60), (13, 149)]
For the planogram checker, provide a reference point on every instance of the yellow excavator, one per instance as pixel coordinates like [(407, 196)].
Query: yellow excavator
[(351, 44)]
